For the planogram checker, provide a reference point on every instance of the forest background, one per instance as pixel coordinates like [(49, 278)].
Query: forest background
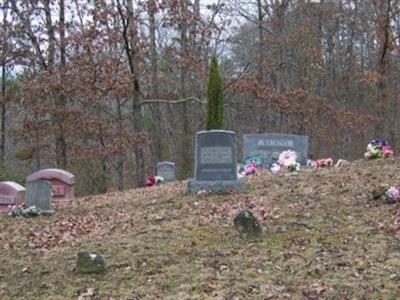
[(107, 88)]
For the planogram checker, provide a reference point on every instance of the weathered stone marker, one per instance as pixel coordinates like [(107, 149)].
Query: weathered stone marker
[(215, 164), (62, 182), (271, 144), (11, 193), (248, 226), (166, 170), (38, 193), (88, 263)]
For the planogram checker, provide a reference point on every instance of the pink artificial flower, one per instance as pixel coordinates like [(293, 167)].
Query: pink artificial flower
[(393, 194), (251, 168), (287, 158), (387, 151), (151, 181), (325, 162)]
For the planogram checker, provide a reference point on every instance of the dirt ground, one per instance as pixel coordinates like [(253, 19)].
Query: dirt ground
[(324, 237)]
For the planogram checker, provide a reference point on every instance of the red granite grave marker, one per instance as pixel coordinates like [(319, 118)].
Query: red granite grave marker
[(11, 193), (62, 182)]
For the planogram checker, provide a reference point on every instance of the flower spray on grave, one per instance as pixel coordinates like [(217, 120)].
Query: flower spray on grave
[(387, 194), (274, 167), (312, 164), (288, 159), (258, 160), (392, 195), (250, 169), (22, 211), (324, 163), (342, 163), (154, 180), (378, 148)]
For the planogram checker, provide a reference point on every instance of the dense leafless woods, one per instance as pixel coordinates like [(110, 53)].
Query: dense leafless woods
[(107, 88)]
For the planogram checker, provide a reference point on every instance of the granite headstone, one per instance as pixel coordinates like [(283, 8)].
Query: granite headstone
[(269, 145), (166, 170), (38, 193), (215, 162), (11, 193), (62, 182)]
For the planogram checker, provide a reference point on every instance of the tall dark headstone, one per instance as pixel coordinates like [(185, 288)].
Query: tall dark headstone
[(215, 165), (269, 145)]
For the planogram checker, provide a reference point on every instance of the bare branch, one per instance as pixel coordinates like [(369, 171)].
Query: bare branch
[(151, 101), (250, 19)]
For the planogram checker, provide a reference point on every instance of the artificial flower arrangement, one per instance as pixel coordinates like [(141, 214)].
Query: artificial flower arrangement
[(288, 159), (258, 160), (392, 195), (342, 163), (378, 149), (23, 211), (311, 163), (154, 180), (250, 168), (324, 163), (274, 168)]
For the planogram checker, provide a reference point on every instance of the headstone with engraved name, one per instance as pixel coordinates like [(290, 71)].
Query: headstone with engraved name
[(38, 193), (166, 170), (215, 162), (271, 144), (11, 193), (62, 182)]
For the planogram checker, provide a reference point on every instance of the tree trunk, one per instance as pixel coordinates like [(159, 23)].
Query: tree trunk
[(61, 147), (157, 135), (136, 108), (137, 127), (120, 160), (260, 18), (50, 33), (59, 100), (37, 142), (383, 28), (3, 112), (3, 88), (129, 35), (185, 139)]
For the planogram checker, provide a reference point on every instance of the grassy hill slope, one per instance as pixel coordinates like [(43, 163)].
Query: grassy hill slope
[(324, 238)]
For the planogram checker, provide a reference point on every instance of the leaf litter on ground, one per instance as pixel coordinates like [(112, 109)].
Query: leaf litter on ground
[(324, 237)]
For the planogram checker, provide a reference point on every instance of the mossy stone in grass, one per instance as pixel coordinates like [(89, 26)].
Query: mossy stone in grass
[(379, 192), (248, 226), (90, 263)]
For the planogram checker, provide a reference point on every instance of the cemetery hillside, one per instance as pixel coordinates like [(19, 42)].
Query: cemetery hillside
[(327, 233), (199, 149), (106, 89)]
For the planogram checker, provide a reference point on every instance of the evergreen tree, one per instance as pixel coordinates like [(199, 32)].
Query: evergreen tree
[(215, 97)]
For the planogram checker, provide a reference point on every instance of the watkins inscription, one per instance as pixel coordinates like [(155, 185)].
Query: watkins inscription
[(266, 144)]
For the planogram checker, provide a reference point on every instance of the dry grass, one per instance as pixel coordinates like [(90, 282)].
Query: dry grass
[(324, 238)]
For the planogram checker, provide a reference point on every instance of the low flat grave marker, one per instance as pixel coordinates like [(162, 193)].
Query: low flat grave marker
[(11, 193), (271, 144), (215, 162), (166, 170), (38, 193), (62, 182)]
